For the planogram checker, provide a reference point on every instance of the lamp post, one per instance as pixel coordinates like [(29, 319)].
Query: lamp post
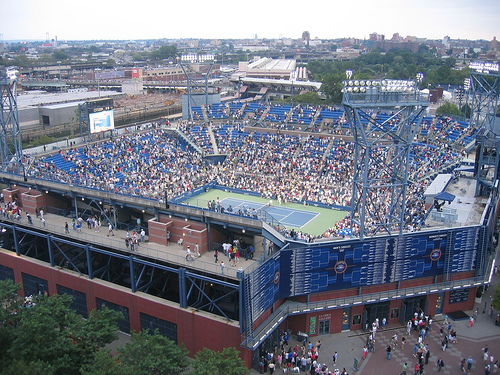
[(60, 83), (292, 79), (96, 73)]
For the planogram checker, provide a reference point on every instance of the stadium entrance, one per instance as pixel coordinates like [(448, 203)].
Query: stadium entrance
[(372, 312), (412, 305)]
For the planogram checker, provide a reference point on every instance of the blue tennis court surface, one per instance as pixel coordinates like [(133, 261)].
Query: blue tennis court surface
[(286, 216)]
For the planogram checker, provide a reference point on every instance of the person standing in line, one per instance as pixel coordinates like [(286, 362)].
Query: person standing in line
[(417, 369), (427, 356)]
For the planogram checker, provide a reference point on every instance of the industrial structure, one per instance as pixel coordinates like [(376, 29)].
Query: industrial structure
[(378, 270)]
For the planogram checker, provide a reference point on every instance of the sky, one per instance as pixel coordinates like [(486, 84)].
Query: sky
[(233, 19)]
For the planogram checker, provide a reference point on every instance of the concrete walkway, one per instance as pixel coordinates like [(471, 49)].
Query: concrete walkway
[(470, 342)]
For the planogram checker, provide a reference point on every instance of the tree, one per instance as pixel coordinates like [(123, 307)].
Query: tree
[(152, 354), (8, 299), (496, 299), (51, 333), (308, 97), (164, 52), (59, 55), (227, 362), (448, 109), (102, 364)]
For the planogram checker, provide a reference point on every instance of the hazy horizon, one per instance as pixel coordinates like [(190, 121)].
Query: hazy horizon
[(30, 20)]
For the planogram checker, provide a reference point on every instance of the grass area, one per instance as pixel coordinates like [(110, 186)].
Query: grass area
[(317, 226)]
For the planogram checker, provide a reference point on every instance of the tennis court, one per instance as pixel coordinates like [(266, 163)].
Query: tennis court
[(310, 219), (289, 217)]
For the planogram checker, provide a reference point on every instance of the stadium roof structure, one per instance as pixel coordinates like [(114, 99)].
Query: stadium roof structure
[(277, 83)]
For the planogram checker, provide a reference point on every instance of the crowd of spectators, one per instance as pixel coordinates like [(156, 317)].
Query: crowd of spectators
[(305, 168)]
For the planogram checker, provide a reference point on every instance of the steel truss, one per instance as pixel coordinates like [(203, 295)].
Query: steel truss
[(483, 98), (10, 133), (189, 289), (197, 75), (382, 155)]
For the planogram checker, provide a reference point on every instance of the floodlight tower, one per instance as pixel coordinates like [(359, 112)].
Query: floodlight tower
[(10, 133), (382, 149), (484, 89), (197, 69)]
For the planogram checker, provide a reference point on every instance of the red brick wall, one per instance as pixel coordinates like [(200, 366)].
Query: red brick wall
[(196, 330)]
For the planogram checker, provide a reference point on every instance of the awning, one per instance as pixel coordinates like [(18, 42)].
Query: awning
[(444, 196), (465, 168)]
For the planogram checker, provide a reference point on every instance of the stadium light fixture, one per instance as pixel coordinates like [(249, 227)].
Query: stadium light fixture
[(484, 66), (194, 58), (467, 84)]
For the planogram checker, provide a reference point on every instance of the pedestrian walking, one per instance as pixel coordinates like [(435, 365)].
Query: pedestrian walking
[(404, 369), (471, 322), (110, 229), (440, 364), (417, 369), (222, 265), (388, 350), (470, 361), (66, 227), (216, 255), (335, 357)]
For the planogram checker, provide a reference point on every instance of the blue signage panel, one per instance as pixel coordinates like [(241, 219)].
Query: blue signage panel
[(356, 263)]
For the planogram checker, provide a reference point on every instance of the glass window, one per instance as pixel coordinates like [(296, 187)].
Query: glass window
[(79, 303), (395, 313), (356, 319), (165, 328), (123, 324)]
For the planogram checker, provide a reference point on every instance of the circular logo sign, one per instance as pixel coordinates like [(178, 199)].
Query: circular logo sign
[(340, 266), (435, 254), (277, 277)]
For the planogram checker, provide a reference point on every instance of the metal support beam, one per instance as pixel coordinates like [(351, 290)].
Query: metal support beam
[(49, 249), (90, 268), (182, 288), (132, 274)]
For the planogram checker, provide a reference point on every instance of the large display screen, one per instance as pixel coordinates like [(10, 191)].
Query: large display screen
[(354, 263), (101, 121)]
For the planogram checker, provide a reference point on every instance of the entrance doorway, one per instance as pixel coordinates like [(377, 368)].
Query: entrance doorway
[(324, 327)]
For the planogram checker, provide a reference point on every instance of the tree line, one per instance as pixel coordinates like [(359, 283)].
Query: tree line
[(43, 335)]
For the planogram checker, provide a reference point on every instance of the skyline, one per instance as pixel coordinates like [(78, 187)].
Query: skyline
[(111, 20)]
